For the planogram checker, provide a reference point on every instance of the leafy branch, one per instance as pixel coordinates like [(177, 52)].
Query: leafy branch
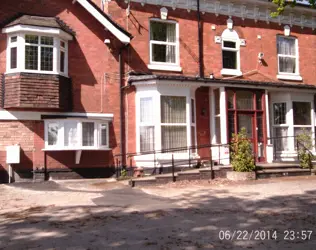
[(282, 4)]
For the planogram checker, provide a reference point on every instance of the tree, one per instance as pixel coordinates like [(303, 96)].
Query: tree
[(282, 4)]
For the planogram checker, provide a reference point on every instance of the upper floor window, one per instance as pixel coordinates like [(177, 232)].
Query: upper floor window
[(37, 45), (36, 53), (164, 45), (230, 53), (288, 64)]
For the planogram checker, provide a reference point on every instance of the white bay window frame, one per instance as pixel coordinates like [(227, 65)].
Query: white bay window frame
[(20, 31), (60, 144), (165, 66)]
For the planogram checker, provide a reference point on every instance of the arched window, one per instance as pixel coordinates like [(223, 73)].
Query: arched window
[(230, 53)]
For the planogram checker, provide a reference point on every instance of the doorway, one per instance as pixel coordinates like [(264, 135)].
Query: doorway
[(245, 108)]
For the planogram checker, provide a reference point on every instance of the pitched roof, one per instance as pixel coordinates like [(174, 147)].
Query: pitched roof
[(118, 31), (51, 22)]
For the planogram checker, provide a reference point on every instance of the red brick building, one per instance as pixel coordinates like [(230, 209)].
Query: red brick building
[(83, 81)]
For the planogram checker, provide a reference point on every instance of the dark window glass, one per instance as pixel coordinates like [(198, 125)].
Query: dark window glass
[(13, 55), (87, 134), (47, 58), (230, 99), (244, 99), (192, 111), (302, 113), (279, 113), (259, 101), (229, 44), (47, 40), (229, 59), (62, 61), (231, 124), (14, 39), (31, 57), (31, 39)]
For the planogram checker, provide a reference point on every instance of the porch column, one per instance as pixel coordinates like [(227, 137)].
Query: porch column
[(223, 115), (269, 146)]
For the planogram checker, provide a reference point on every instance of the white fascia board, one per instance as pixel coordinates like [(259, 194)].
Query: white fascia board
[(119, 34), (36, 116), (37, 29)]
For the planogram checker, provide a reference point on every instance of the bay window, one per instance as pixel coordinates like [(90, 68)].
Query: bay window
[(76, 134), (164, 45), (37, 51)]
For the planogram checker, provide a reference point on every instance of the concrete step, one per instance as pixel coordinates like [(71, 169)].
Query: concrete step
[(281, 172), (277, 165)]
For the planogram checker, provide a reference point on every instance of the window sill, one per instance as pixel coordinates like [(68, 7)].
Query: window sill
[(35, 72), (231, 72), (165, 67), (76, 149), (290, 77)]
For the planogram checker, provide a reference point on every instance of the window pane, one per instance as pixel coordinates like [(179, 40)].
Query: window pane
[(244, 100), (31, 57), (260, 126), (229, 44), (46, 40), (287, 64), (147, 138), (88, 134), (31, 39), (14, 39), (229, 59), (192, 111), (279, 113), (165, 32), (104, 135), (302, 113), (173, 109), (217, 101), (52, 133), (62, 61), (70, 133), (13, 55), (164, 53), (246, 121), (281, 140), (259, 101), (47, 58), (173, 137), (193, 142), (62, 44), (230, 99), (146, 110), (286, 46)]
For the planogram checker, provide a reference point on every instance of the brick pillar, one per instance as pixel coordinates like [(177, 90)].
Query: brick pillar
[(39, 144)]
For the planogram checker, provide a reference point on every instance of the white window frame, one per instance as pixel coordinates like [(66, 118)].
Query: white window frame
[(231, 36), (61, 135), (161, 65), (290, 76), (20, 31)]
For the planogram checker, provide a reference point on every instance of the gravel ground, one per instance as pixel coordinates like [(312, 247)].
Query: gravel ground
[(94, 214)]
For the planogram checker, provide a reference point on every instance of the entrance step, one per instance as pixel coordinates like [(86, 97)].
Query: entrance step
[(281, 172), (263, 166)]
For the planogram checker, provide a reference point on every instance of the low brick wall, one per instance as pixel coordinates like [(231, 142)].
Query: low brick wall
[(241, 176)]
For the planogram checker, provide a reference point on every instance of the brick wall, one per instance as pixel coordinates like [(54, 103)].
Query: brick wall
[(138, 25)]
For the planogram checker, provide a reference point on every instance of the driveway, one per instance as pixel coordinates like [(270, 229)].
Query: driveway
[(94, 214)]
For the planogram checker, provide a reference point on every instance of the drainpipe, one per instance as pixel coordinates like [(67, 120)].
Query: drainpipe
[(201, 70), (121, 89)]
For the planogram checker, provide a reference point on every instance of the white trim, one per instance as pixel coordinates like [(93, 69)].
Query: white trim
[(36, 116), (164, 67), (289, 77), (223, 115), (231, 72), (106, 23), (37, 29)]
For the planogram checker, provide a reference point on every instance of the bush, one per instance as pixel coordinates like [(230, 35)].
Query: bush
[(242, 159), (305, 144)]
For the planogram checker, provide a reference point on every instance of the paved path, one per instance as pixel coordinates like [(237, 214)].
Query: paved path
[(97, 215)]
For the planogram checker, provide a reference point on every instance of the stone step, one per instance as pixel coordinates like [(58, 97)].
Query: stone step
[(278, 166), (274, 173)]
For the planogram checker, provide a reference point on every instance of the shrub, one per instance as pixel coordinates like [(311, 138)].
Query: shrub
[(305, 144), (242, 159)]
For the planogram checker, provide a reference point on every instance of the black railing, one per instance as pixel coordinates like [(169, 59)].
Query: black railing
[(172, 163)]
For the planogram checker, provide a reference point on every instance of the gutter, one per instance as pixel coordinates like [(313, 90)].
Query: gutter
[(200, 41)]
